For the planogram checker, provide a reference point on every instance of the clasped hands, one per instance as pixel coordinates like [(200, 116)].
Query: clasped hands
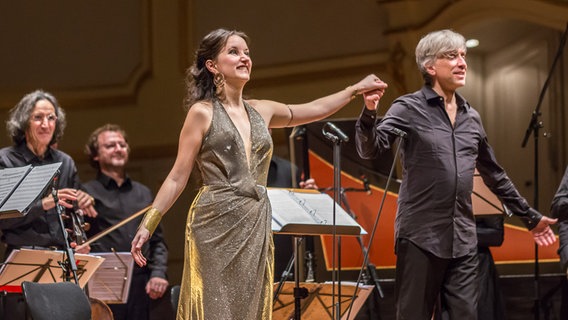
[(372, 97)]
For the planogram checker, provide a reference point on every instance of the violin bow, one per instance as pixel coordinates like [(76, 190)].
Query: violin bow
[(116, 226)]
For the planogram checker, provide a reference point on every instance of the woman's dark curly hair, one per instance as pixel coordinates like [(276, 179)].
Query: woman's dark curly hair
[(199, 80), (19, 118)]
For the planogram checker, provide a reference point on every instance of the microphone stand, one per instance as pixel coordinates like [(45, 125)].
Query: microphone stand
[(337, 140), (285, 275), (371, 269), (534, 127), (401, 134), (69, 265)]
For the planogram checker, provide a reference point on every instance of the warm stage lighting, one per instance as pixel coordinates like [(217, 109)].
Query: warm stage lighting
[(472, 43)]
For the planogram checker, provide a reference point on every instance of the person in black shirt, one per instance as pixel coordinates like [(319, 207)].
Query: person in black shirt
[(559, 210), (442, 142), (35, 125), (117, 197), (280, 173)]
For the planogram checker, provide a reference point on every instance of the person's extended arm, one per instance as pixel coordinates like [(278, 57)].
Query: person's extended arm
[(373, 137), (279, 115), (499, 183), (196, 123)]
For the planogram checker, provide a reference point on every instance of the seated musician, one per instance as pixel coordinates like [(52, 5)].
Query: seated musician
[(117, 197), (35, 125)]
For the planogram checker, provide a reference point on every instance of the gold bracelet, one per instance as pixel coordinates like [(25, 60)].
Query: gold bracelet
[(291, 115), (151, 219), (353, 92)]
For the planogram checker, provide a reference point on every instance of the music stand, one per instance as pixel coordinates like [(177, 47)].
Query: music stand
[(300, 212), (44, 266), (111, 282), (483, 201), (318, 304), (21, 186)]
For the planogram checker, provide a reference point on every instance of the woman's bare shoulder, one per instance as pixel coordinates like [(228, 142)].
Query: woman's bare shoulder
[(201, 108)]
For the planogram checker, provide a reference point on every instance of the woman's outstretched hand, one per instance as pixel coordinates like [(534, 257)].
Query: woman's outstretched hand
[(142, 235), (370, 83)]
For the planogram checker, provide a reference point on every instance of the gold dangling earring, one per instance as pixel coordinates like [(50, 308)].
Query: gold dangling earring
[(219, 82)]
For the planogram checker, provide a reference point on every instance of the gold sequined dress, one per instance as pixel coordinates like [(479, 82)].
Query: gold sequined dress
[(228, 248)]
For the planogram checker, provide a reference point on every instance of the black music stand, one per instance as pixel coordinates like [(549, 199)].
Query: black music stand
[(44, 266), (485, 202), (22, 186), (301, 212), (41, 266)]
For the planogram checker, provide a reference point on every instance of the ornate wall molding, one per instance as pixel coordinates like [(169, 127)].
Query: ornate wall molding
[(87, 54)]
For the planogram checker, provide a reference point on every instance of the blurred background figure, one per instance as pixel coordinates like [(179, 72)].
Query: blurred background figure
[(117, 197), (559, 210)]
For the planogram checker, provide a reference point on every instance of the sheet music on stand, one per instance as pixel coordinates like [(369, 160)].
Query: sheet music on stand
[(21, 186), (309, 212), (44, 266), (111, 281)]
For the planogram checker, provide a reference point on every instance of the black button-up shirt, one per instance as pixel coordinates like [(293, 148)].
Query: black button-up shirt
[(38, 227), (559, 210), (114, 204), (438, 163)]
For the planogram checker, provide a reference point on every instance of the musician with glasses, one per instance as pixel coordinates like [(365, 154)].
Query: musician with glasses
[(36, 125), (442, 143), (117, 197)]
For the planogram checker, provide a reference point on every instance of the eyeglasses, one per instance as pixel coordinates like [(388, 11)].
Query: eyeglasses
[(39, 118)]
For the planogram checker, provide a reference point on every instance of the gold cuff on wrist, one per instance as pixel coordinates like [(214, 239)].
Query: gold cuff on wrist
[(151, 219)]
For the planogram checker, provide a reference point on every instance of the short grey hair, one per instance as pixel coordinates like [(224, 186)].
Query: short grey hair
[(19, 118), (432, 45)]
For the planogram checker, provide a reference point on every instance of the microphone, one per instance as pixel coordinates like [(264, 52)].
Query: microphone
[(366, 185), (342, 136), (399, 132)]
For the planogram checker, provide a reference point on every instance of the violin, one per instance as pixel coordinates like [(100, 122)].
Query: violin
[(77, 227)]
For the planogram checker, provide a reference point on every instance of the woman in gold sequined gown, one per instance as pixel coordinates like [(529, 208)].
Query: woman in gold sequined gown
[(228, 244)]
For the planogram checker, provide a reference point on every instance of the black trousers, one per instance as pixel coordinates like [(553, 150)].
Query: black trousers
[(421, 277)]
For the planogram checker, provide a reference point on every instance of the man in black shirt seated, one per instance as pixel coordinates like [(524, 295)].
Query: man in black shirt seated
[(117, 197)]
